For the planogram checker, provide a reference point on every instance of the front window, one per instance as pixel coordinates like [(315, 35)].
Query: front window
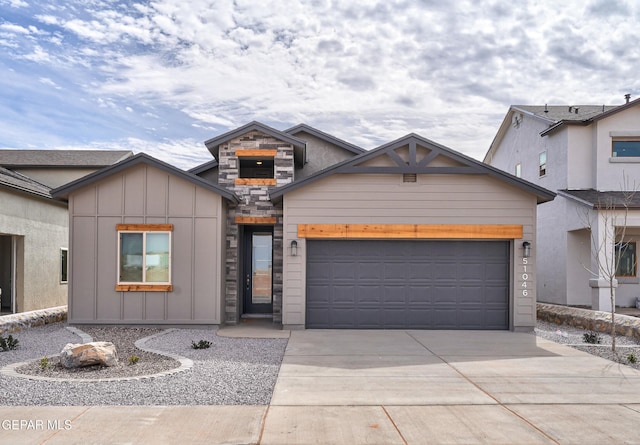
[(542, 170), (626, 259), (626, 149), (144, 257)]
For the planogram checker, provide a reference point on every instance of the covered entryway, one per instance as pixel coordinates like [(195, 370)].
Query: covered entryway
[(417, 284)]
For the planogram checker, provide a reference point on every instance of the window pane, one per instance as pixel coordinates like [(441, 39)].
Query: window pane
[(627, 264), (64, 253), (543, 163), (256, 168), (131, 257), (157, 258), (262, 268), (626, 148)]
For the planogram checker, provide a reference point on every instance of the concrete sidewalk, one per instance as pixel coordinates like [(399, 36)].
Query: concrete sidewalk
[(384, 387)]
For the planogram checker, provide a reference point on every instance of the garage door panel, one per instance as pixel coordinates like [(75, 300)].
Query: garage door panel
[(394, 294), (470, 295), (445, 294), (341, 270), (369, 270), (343, 294), (407, 284), (366, 295)]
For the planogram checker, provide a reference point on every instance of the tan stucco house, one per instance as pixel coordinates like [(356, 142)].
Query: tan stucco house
[(307, 230)]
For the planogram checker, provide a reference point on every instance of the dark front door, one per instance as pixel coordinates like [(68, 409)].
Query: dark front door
[(258, 270), (6, 275)]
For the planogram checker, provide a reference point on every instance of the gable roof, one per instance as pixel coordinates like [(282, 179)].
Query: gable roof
[(203, 167), (141, 158), (62, 158), (556, 117), (596, 199), (462, 165), (16, 181), (300, 128), (299, 146)]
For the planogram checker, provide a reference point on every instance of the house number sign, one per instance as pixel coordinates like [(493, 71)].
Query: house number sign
[(525, 277)]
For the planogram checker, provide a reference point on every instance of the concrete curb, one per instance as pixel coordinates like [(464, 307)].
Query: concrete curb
[(24, 320), (587, 319)]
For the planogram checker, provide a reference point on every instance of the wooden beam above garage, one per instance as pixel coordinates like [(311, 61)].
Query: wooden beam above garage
[(410, 231)]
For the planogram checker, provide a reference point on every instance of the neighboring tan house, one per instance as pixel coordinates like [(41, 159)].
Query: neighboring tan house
[(34, 226), (590, 155), (409, 235)]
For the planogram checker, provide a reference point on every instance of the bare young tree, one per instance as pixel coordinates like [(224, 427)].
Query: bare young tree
[(611, 234)]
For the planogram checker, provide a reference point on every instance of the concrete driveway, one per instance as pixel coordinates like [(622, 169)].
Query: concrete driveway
[(449, 387), (383, 387)]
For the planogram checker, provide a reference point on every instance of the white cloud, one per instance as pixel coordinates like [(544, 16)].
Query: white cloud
[(365, 71)]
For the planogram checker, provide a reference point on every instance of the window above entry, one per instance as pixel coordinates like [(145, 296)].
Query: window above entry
[(256, 168)]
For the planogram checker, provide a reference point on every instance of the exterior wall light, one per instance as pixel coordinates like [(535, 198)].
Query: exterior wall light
[(526, 246), (294, 248)]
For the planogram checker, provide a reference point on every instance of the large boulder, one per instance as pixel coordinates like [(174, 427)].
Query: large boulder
[(87, 354)]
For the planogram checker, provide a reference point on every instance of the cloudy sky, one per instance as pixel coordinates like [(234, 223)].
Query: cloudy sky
[(163, 76)]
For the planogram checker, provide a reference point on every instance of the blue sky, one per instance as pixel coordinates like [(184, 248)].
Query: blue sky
[(164, 76)]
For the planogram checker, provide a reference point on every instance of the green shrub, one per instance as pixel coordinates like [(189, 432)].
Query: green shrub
[(44, 363), (9, 343), (592, 338), (133, 359), (631, 357), (202, 344)]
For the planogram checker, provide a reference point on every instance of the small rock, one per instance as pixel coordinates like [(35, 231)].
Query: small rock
[(87, 354)]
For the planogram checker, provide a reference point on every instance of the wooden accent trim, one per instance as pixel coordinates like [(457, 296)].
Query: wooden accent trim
[(146, 227), (410, 231), (265, 220), (255, 181), (256, 153), (144, 288)]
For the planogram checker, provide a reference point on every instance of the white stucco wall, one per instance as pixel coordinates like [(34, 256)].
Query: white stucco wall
[(611, 171)]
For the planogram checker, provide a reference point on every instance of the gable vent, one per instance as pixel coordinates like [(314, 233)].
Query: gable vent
[(409, 177)]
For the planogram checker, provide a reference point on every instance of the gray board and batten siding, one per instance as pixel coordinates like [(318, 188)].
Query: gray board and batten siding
[(146, 191)]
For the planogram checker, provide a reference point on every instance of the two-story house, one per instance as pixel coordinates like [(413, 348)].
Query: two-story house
[(590, 155), (307, 230), (34, 227)]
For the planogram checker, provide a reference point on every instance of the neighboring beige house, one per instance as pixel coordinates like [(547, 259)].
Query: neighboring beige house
[(590, 155), (308, 230), (34, 226)]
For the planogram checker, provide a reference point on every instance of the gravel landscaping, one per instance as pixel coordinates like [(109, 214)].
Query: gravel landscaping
[(233, 371), (573, 337)]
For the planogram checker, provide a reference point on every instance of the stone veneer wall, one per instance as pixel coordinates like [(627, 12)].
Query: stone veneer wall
[(24, 320), (254, 202), (587, 319)]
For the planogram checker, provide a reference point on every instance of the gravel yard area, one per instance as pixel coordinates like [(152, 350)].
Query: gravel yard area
[(233, 371), (573, 337)]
